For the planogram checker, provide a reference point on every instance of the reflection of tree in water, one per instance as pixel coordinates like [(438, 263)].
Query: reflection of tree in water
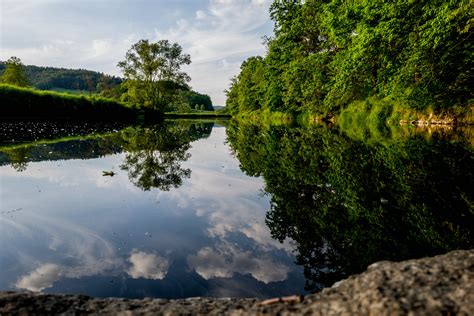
[(154, 156), (19, 158), (347, 204), (20, 166)]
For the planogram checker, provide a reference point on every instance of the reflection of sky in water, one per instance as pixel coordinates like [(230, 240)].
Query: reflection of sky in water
[(79, 232)]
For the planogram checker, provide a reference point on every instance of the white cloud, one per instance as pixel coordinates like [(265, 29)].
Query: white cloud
[(200, 15), (41, 278), (148, 266), (101, 47)]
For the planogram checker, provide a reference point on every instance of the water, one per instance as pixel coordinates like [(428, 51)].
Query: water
[(205, 210)]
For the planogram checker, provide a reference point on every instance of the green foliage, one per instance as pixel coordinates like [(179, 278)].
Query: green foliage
[(153, 73), (327, 54), (193, 98), (18, 102), (347, 203), (378, 116), (247, 89), (14, 73)]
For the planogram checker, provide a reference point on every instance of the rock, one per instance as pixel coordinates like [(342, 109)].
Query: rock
[(442, 285)]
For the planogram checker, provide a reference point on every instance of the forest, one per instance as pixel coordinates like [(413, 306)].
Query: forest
[(326, 55)]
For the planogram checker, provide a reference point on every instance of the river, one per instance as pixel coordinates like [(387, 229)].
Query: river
[(187, 209)]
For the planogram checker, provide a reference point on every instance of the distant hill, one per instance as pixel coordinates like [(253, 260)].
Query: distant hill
[(60, 79), (218, 107)]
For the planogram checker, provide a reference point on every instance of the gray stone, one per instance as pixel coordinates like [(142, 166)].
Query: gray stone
[(442, 285)]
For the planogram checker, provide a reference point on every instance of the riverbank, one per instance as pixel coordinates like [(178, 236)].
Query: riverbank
[(372, 111), (376, 111), (25, 103), (438, 285)]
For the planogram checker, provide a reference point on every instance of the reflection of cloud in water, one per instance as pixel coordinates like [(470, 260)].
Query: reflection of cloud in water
[(85, 252), (226, 259), (229, 202), (228, 208), (147, 265), (41, 278)]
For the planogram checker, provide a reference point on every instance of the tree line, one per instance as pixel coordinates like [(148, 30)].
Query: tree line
[(326, 54), (50, 78)]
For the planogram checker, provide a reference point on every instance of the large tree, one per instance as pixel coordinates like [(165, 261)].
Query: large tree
[(153, 72), (15, 73)]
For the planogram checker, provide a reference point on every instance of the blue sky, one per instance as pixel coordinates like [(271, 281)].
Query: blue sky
[(95, 34)]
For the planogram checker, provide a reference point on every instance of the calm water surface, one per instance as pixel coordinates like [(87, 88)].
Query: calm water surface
[(205, 210)]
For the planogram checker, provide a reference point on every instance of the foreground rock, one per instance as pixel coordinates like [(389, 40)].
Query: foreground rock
[(429, 286)]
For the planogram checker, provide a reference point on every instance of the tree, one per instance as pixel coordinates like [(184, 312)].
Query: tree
[(90, 84), (194, 98), (15, 73), (153, 72)]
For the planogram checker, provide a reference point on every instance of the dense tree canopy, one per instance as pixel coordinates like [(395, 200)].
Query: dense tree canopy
[(326, 54), (196, 99), (14, 73)]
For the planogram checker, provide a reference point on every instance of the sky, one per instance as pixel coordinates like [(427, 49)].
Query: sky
[(95, 34)]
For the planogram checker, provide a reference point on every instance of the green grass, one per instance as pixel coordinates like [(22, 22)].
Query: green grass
[(378, 120), (25, 103), (375, 113), (265, 117), (70, 91)]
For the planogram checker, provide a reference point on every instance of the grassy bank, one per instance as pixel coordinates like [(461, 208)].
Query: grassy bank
[(24, 103), (373, 112), (265, 117)]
